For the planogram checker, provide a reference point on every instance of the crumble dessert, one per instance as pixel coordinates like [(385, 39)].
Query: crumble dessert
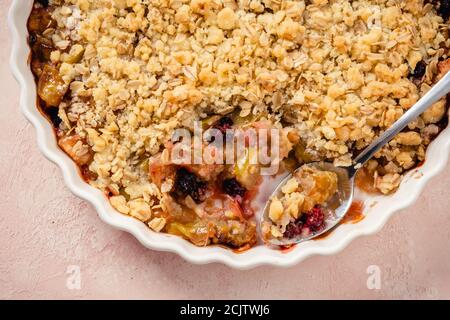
[(300, 209), (118, 77)]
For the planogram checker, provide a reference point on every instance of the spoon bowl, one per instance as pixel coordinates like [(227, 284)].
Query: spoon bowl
[(335, 209)]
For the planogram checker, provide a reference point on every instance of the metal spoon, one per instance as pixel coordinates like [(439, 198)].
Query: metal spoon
[(341, 202)]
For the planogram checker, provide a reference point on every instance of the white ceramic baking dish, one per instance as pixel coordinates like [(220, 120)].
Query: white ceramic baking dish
[(377, 209)]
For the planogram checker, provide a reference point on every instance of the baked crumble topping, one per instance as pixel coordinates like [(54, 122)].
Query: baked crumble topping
[(117, 77)]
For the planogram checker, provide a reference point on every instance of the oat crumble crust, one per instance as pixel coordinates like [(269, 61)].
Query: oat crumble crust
[(332, 73)]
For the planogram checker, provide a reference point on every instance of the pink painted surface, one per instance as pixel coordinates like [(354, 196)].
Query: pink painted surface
[(44, 230)]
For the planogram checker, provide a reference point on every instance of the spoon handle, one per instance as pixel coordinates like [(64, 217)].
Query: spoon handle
[(438, 91)]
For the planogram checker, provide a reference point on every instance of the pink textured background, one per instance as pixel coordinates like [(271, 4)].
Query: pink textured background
[(44, 229)]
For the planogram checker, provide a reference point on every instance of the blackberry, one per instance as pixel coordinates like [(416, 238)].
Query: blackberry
[(233, 188), (293, 229), (223, 124), (419, 71), (314, 219), (188, 184)]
